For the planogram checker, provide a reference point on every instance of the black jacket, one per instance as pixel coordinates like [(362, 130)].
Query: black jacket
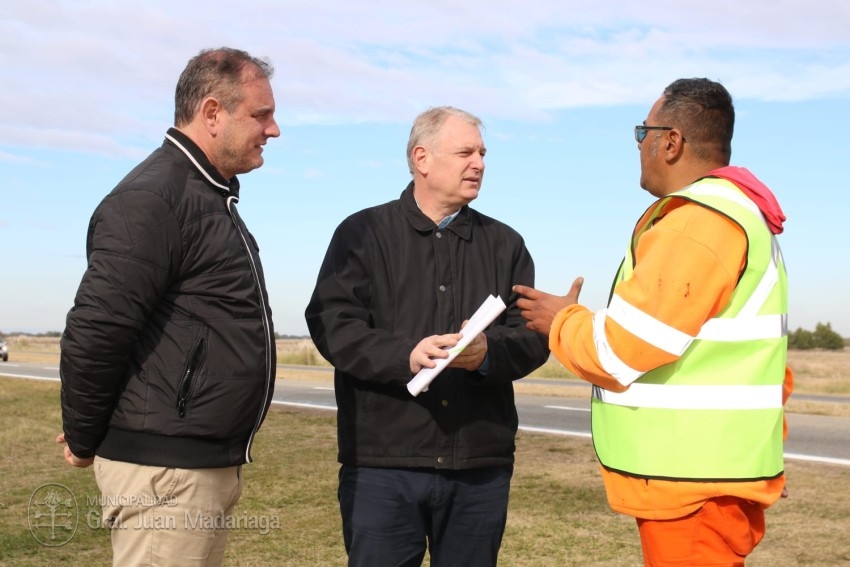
[(168, 355), (391, 278)]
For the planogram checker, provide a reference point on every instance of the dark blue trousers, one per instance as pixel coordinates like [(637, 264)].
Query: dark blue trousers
[(389, 516)]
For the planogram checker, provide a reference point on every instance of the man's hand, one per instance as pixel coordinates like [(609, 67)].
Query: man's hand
[(429, 348), (70, 457), (540, 307), (473, 355)]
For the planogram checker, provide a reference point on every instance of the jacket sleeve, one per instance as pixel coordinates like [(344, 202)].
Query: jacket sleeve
[(686, 268), (338, 315), (513, 350), (133, 248)]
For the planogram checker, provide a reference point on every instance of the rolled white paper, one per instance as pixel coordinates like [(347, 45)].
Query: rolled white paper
[(486, 314)]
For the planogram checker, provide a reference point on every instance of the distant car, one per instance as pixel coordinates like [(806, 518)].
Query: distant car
[(4, 350)]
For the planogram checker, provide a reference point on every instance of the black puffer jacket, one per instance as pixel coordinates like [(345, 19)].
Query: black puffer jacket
[(168, 355)]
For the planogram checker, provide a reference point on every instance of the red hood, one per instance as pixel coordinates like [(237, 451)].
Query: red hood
[(757, 192)]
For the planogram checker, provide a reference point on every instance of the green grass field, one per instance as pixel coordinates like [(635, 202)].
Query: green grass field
[(558, 512)]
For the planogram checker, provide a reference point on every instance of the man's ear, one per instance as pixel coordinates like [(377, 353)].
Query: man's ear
[(421, 160), (674, 144), (210, 113)]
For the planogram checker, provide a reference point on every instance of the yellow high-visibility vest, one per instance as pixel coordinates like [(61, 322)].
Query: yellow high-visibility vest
[(716, 413)]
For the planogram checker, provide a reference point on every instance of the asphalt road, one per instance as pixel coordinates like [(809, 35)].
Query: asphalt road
[(811, 437)]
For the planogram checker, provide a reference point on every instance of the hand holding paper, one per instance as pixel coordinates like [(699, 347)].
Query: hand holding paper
[(486, 314), (472, 357), (429, 349)]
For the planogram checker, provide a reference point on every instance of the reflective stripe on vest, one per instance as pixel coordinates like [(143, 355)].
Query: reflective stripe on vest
[(715, 413)]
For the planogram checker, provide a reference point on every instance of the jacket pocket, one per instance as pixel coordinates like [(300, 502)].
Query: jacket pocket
[(193, 364)]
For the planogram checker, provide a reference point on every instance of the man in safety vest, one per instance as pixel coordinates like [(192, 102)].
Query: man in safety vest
[(688, 360)]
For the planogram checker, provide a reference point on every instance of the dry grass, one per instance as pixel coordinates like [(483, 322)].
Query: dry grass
[(31, 349), (821, 371), (558, 511), (37, 350), (299, 351)]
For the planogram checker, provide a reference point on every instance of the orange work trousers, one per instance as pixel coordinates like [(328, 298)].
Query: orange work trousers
[(721, 533)]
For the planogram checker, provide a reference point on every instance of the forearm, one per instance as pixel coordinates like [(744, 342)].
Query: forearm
[(571, 341), (354, 348), (513, 353), (92, 368)]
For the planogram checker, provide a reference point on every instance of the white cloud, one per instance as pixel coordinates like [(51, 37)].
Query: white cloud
[(14, 158), (99, 76), (74, 140)]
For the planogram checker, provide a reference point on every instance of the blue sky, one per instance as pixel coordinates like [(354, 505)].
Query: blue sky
[(88, 92)]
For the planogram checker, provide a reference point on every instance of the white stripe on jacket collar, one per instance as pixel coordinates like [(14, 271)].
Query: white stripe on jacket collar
[(194, 161)]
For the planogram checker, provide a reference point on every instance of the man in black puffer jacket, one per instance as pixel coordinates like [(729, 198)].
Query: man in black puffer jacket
[(168, 355)]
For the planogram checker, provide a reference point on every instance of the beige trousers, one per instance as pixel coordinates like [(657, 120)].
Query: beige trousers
[(165, 516)]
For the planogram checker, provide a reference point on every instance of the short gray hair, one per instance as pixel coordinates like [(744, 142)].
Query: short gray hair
[(428, 124)]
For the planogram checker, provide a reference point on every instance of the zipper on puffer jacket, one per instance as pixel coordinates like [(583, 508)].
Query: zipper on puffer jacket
[(196, 358), (270, 349)]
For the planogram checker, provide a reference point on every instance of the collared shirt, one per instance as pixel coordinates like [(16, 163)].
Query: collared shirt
[(445, 222)]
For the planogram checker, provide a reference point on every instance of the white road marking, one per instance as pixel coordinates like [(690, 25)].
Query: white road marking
[(810, 458), (554, 431), (28, 377), (567, 408), (300, 405)]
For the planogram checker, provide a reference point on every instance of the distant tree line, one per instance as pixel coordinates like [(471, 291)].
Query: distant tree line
[(822, 337)]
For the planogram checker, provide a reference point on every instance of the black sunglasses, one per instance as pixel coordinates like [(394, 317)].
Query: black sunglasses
[(641, 131)]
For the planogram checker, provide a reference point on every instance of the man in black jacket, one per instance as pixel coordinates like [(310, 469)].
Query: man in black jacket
[(395, 287), (168, 355)]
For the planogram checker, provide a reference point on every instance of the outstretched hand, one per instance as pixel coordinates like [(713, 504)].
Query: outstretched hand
[(540, 308)]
